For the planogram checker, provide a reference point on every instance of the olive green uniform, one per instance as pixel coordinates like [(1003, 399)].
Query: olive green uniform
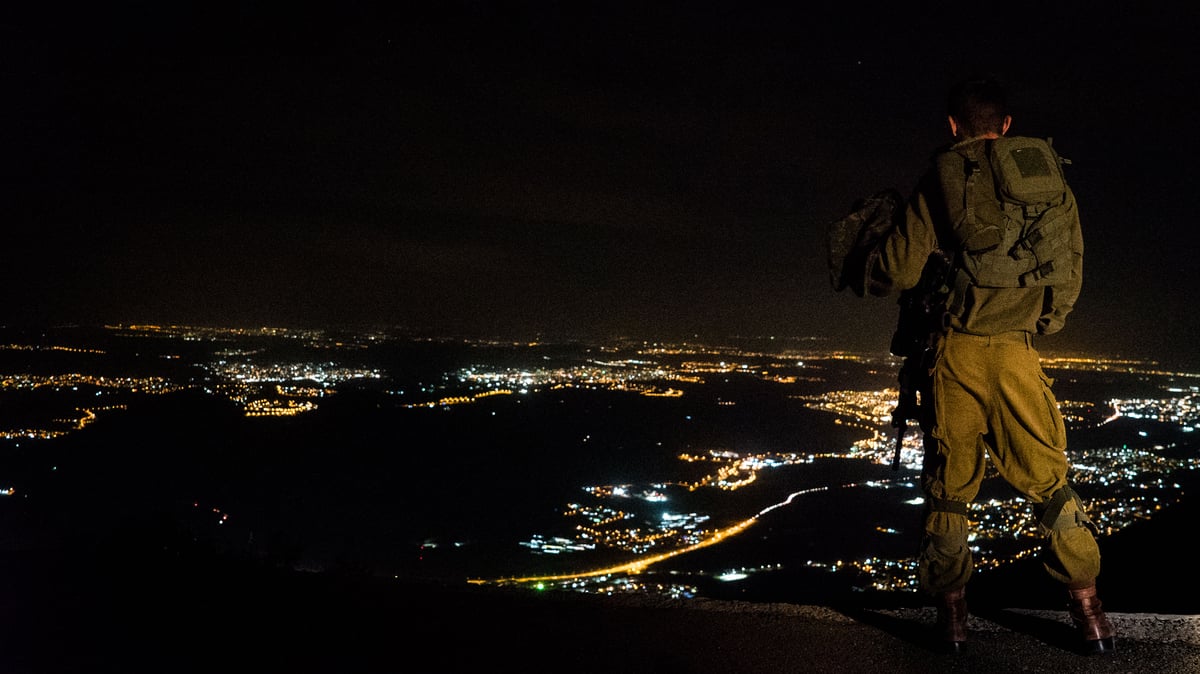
[(991, 402)]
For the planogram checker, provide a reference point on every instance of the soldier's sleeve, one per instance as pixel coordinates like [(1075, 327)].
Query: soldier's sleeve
[(1060, 299), (900, 257)]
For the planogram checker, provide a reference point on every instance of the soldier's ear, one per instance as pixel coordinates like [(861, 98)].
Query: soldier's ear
[(1007, 123), (953, 125)]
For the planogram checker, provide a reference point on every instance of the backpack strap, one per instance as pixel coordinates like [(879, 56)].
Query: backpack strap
[(960, 172)]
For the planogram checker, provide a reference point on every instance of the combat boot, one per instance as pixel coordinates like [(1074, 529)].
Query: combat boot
[(952, 619), (1090, 622)]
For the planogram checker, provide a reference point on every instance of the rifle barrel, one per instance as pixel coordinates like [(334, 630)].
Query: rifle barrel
[(899, 444)]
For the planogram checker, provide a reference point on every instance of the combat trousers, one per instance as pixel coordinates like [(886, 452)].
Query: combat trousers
[(992, 401)]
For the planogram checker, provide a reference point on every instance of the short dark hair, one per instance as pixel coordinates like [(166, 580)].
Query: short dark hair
[(979, 106)]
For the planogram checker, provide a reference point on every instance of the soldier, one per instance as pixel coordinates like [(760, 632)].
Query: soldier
[(989, 399)]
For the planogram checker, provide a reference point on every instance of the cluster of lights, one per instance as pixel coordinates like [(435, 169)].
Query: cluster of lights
[(1136, 481)]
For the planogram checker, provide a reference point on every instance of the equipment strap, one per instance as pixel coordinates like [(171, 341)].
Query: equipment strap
[(948, 506), (971, 169), (1054, 506)]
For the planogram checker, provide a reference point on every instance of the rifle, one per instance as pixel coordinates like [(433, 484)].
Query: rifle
[(914, 383), (921, 311)]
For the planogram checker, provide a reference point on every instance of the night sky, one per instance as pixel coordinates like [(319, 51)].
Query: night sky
[(560, 169)]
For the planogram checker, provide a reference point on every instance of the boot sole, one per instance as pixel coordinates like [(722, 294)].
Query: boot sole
[(1098, 646)]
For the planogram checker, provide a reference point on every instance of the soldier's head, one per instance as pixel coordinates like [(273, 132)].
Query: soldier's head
[(978, 108)]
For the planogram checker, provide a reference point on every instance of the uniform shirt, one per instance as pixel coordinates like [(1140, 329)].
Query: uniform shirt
[(925, 227)]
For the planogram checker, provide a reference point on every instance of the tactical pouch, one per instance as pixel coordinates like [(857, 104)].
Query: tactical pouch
[(1027, 171)]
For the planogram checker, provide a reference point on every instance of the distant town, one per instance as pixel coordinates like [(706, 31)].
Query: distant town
[(1128, 481)]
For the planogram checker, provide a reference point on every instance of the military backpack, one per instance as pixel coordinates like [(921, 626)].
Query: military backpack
[(1009, 207)]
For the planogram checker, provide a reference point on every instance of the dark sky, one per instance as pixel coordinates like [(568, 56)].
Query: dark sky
[(664, 170)]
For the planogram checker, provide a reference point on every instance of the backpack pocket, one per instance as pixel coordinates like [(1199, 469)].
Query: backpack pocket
[(1027, 170)]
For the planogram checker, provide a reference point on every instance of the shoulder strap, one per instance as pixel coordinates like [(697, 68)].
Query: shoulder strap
[(965, 171)]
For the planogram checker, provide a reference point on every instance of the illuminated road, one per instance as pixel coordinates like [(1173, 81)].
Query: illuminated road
[(640, 565)]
